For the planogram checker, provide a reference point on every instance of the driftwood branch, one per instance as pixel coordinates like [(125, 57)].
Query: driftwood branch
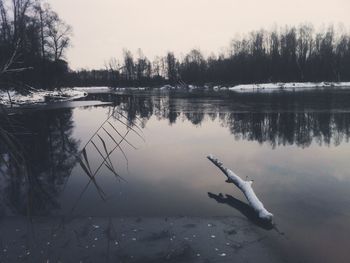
[(245, 187)]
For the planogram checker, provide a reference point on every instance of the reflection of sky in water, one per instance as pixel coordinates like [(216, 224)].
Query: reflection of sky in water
[(171, 170), (305, 187), (304, 182)]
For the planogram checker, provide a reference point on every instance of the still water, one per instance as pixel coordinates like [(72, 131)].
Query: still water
[(295, 146)]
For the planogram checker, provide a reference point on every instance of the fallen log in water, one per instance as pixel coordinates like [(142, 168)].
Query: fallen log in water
[(245, 187)]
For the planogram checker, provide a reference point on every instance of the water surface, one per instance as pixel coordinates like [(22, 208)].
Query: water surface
[(295, 146)]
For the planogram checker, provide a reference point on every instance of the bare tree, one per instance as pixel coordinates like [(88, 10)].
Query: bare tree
[(58, 34), (304, 47), (113, 67), (129, 65), (172, 70), (20, 8)]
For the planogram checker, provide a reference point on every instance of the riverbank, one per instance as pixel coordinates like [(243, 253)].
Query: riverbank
[(13, 98), (69, 94)]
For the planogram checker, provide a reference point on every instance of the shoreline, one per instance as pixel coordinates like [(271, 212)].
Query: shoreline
[(70, 94)]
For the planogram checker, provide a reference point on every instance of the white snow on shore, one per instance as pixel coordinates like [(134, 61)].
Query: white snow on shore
[(93, 89), (41, 96), (183, 87), (291, 86), (68, 94), (264, 87), (108, 89), (129, 88)]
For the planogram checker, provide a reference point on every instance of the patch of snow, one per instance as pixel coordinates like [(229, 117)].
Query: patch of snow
[(291, 86), (41, 96), (219, 88), (128, 88), (93, 89), (120, 89), (167, 87), (183, 87)]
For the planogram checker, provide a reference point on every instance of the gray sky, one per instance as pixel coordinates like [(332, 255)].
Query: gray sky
[(102, 28)]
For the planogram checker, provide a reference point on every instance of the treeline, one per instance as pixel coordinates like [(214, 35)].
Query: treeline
[(289, 54), (33, 41), (139, 71)]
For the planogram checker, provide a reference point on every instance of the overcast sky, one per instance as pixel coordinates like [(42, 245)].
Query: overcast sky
[(102, 28)]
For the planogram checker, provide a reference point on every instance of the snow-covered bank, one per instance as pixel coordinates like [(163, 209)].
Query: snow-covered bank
[(183, 87), (264, 87), (93, 89), (40, 96), (130, 88), (69, 94), (291, 86)]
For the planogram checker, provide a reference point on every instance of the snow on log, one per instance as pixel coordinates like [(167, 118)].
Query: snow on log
[(245, 187)]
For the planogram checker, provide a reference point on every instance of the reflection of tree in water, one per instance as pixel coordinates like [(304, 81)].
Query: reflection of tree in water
[(290, 128), (33, 181), (278, 119)]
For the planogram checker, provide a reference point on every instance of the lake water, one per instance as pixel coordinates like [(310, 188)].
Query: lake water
[(295, 146)]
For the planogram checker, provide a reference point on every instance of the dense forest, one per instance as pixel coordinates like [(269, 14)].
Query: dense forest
[(33, 41), (284, 55)]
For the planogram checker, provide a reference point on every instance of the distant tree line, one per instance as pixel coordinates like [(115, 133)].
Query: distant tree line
[(131, 71), (289, 54), (33, 41)]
